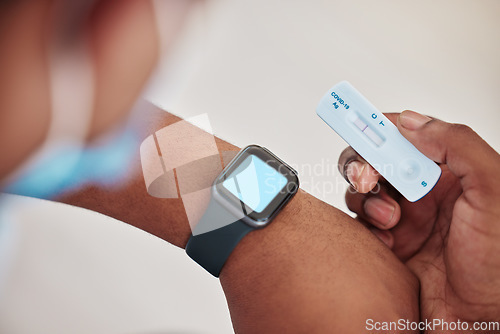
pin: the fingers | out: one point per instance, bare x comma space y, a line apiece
384, 235
357, 171
466, 154
125, 45
379, 210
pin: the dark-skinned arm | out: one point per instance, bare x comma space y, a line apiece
312, 270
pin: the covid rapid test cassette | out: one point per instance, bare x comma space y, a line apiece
378, 141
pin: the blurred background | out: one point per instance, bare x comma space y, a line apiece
259, 73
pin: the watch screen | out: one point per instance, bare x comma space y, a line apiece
255, 183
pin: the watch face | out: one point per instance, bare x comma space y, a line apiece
258, 183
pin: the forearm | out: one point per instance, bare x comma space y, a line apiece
315, 270
312, 269
130, 202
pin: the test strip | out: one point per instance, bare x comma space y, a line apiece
370, 134
360, 124
378, 141
373, 136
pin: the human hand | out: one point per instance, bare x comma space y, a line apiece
451, 238
288, 277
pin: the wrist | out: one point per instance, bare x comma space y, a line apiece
130, 201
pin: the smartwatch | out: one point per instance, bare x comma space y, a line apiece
247, 195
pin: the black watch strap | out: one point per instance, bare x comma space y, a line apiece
214, 238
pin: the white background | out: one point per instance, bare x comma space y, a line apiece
266, 64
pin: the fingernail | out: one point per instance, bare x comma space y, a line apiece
353, 172
412, 120
379, 210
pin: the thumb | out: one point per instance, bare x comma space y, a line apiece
465, 153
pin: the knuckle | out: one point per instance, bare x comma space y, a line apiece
347, 153
462, 130
345, 157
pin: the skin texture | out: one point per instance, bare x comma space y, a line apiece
450, 238
313, 269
